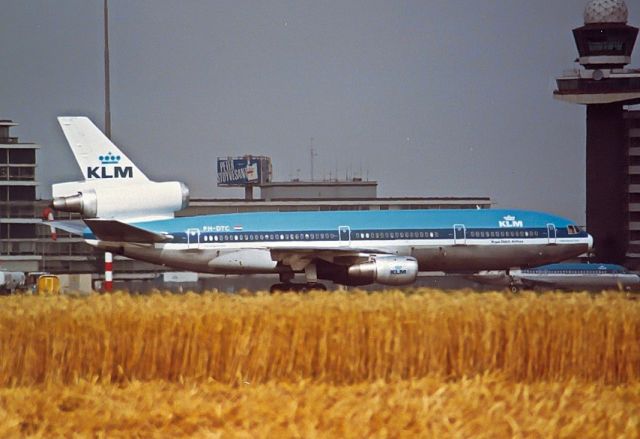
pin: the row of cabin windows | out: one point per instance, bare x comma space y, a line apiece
316, 236
395, 235
504, 234
376, 235
567, 271
270, 237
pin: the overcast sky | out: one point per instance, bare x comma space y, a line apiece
429, 98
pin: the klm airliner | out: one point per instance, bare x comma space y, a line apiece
126, 213
577, 277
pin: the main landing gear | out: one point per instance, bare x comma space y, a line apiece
311, 276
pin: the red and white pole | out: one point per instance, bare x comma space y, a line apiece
108, 272
47, 215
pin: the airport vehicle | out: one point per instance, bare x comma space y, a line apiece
11, 280
48, 284
125, 213
577, 276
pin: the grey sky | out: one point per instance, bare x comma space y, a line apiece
430, 98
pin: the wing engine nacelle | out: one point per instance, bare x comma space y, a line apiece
135, 200
386, 270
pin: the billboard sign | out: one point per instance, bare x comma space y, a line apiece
243, 171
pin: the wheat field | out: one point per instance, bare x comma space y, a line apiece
347, 364
484, 406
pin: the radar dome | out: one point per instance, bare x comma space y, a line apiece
606, 11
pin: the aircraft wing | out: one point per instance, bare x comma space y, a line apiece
298, 258
528, 282
113, 230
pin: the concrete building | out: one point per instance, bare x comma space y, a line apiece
318, 190
632, 131
204, 206
606, 87
18, 190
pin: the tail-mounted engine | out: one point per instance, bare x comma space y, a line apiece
145, 200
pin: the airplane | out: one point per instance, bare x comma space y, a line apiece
567, 276
125, 213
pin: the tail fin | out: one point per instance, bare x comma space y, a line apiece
96, 155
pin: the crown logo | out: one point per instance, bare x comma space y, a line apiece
509, 218
109, 159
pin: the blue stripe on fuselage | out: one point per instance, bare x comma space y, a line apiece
394, 220
328, 220
577, 267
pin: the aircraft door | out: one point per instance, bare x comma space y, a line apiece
551, 233
344, 232
459, 234
193, 238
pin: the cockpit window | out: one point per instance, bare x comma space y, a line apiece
573, 229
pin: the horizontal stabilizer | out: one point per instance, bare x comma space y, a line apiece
113, 230
75, 227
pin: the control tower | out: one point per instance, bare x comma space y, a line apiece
606, 86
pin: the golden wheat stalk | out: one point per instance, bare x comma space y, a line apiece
485, 406
330, 337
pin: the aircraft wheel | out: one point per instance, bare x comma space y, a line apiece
298, 288
514, 289
281, 288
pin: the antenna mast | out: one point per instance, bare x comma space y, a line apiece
107, 92
313, 154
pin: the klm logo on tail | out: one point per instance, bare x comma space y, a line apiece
109, 168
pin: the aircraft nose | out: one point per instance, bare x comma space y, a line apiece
590, 241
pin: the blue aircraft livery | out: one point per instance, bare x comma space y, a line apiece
134, 216
565, 276
348, 247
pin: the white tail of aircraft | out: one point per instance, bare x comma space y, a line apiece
96, 155
113, 186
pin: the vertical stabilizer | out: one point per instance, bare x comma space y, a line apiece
97, 156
